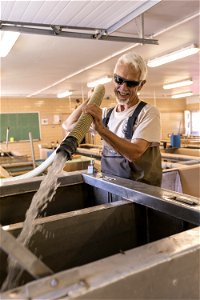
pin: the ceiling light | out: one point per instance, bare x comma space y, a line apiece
64, 94
192, 49
177, 84
6, 227
102, 80
186, 94
8, 39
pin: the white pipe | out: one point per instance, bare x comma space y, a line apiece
7, 136
32, 150
35, 172
32, 173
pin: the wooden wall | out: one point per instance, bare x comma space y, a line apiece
172, 115
54, 111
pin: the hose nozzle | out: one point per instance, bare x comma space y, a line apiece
68, 147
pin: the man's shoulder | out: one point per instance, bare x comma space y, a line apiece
151, 108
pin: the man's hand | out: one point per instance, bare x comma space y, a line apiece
96, 112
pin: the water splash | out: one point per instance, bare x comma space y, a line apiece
41, 198
39, 202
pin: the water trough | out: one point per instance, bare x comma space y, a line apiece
107, 238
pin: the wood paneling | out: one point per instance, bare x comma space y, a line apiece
172, 118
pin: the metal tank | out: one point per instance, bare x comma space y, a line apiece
108, 238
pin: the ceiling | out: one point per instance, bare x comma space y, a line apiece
44, 63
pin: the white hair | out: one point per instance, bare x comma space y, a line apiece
134, 59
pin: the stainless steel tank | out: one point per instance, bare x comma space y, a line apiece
109, 238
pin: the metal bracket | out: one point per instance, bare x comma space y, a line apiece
56, 29
100, 33
142, 26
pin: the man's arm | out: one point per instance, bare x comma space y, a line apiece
130, 150
71, 121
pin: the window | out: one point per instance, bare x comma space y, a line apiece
195, 127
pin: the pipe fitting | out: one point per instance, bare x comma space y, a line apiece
68, 147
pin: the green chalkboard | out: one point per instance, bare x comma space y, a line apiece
19, 124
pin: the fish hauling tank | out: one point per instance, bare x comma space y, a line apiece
99, 237
93, 236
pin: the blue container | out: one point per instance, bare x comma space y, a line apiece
175, 140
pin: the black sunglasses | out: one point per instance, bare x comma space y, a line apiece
130, 83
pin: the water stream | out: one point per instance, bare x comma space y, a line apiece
39, 202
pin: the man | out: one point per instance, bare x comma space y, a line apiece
131, 141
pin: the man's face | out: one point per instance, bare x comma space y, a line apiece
126, 84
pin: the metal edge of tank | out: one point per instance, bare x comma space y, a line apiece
179, 205
164, 269
32, 184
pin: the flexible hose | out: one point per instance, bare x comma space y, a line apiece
85, 120
41, 168
70, 143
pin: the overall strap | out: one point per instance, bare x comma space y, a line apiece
132, 119
107, 117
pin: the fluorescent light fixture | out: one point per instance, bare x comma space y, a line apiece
5, 227
177, 84
8, 39
102, 80
64, 94
186, 94
192, 49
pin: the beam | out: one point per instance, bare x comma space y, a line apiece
24, 257
58, 31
